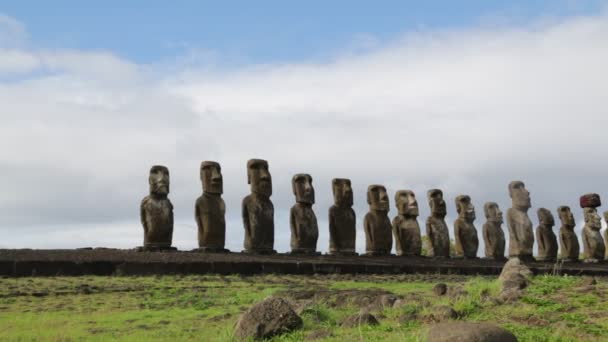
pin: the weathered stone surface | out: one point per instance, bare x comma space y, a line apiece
210, 209
362, 318
436, 228
469, 332
545, 237
377, 225
406, 230
493, 234
521, 236
594, 249
590, 201
342, 219
156, 211
606, 234
465, 234
440, 289
568, 242
443, 313
302, 219
258, 210
514, 279
268, 318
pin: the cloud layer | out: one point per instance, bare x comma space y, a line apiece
466, 111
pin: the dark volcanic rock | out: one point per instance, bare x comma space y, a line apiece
440, 289
469, 332
268, 318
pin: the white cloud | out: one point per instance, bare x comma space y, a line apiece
466, 111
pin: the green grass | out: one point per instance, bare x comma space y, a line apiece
205, 308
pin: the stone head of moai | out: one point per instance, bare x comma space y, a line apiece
159, 180
406, 203
492, 212
258, 176
566, 216
545, 217
343, 192
436, 202
520, 196
592, 219
302, 188
211, 177
465, 208
606, 217
377, 198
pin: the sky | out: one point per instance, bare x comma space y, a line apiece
463, 96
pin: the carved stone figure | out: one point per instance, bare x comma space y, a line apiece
545, 237
406, 230
376, 223
436, 228
593, 244
258, 210
493, 234
302, 219
465, 234
521, 236
342, 219
210, 210
568, 242
156, 212
606, 233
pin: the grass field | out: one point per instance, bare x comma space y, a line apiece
205, 308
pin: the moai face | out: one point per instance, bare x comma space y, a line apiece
592, 219
159, 180
492, 212
565, 215
436, 202
259, 177
519, 195
406, 203
343, 192
302, 188
211, 176
465, 208
545, 217
377, 198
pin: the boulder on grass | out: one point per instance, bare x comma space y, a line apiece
469, 332
362, 318
273, 316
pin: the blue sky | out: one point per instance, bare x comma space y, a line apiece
243, 32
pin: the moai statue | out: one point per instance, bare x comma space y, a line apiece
521, 236
493, 234
568, 242
342, 219
436, 228
405, 225
257, 210
210, 210
546, 239
376, 223
302, 219
593, 244
465, 234
156, 212
606, 233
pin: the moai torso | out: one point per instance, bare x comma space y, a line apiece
210, 217
569, 246
304, 228
406, 230
467, 242
342, 230
436, 228
378, 238
156, 211
593, 244
258, 219
494, 239
521, 235
547, 243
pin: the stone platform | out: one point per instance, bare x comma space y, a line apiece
104, 261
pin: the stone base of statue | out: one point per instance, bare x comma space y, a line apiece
378, 253
524, 258
495, 258
303, 251
211, 250
342, 253
155, 249
545, 259
261, 251
569, 260
439, 257
592, 261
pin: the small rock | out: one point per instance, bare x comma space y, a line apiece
399, 303
388, 301
442, 313
440, 289
455, 292
271, 317
362, 318
318, 335
465, 331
